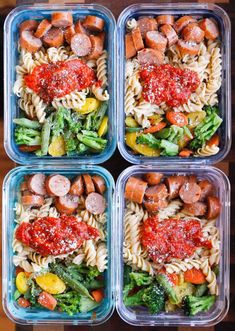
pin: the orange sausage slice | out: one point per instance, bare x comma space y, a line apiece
146, 24
135, 189
42, 29
169, 33
97, 45
54, 37
29, 42
69, 32
137, 39
93, 23
165, 19
192, 32
186, 47
210, 28
182, 22
130, 47
29, 25
156, 40
150, 56
81, 44
62, 19
79, 28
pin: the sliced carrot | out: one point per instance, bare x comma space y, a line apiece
18, 270
98, 295
178, 119
155, 128
194, 276
185, 152
47, 300
28, 274
174, 278
214, 141
22, 302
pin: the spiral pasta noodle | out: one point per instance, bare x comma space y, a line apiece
73, 100
207, 150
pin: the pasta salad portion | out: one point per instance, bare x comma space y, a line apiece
62, 85
171, 246
59, 244
173, 75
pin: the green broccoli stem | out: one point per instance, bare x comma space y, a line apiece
163, 280
90, 142
26, 123
94, 284
201, 290
99, 115
193, 305
45, 138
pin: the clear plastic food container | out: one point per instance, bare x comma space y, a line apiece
198, 11
11, 187
217, 313
11, 108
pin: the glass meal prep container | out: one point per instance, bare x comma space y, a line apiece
11, 57
198, 11
34, 315
139, 315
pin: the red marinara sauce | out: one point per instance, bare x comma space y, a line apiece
166, 83
172, 238
55, 80
54, 236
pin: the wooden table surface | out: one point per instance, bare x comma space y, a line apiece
115, 165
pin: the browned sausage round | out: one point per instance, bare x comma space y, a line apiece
24, 186
67, 204
77, 187
43, 27
135, 189
153, 207
195, 209
206, 189
165, 19
26, 192
153, 178
79, 28
69, 32
32, 200
192, 179
130, 47
155, 40
81, 44
36, 184
186, 47
169, 33
97, 46
29, 42
210, 28
54, 37
62, 19
190, 192
95, 203
146, 24
213, 207
137, 39
182, 22
156, 192
89, 185
99, 183
93, 23
192, 32
29, 25
150, 56
57, 185
174, 184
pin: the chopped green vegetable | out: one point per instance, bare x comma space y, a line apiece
192, 305
16, 295
133, 300
99, 115
169, 148
98, 144
46, 131
134, 129
87, 304
69, 302
165, 283
141, 278
201, 290
26, 136
149, 140
154, 298
71, 142
26, 123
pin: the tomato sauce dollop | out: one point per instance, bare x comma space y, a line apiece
54, 236
55, 80
172, 238
166, 83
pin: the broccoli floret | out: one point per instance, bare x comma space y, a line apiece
71, 142
135, 299
192, 305
26, 136
141, 278
154, 298
87, 304
148, 139
165, 283
69, 302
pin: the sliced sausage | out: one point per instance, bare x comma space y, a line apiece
95, 203
130, 47
81, 44
69, 32
182, 22
26, 148
24, 186
169, 33
165, 19
150, 56
77, 187
62, 19
213, 207
146, 24
195, 209
153, 178
156, 40
29, 42
153, 207
29, 25
32, 200
36, 184
174, 184
67, 204
210, 28
186, 47
54, 37
156, 192
97, 46
135, 189
89, 185
79, 28
192, 32
206, 189
26, 192
192, 179
99, 183
93, 23
42, 29
190, 192
57, 185
137, 39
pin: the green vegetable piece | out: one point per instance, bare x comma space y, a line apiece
69, 302
27, 123
81, 148
201, 290
94, 284
149, 140
164, 282
26, 136
88, 122
126, 274
90, 133
87, 304
92, 142
187, 132
215, 269
134, 129
133, 300
16, 295
46, 131
169, 148
193, 305
99, 115
141, 278
154, 298
164, 133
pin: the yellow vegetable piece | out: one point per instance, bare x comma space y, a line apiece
103, 127
183, 290
21, 282
195, 118
155, 119
131, 122
140, 148
89, 106
57, 146
51, 283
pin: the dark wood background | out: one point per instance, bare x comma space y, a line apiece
115, 165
